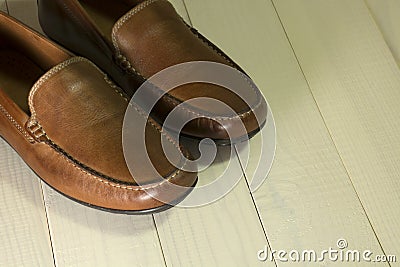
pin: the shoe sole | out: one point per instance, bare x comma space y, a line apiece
125, 212
226, 142
115, 211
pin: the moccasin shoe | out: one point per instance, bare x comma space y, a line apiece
133, 40
64, 117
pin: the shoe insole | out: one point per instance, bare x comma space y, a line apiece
105, 13
17, 76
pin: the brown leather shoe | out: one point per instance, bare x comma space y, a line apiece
64, 118
131, 40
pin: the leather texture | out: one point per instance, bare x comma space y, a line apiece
136, 40
72, 136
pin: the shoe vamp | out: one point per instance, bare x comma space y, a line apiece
83, 116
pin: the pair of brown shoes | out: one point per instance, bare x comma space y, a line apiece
64, 115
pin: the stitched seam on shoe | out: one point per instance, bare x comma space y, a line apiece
73, 60
231, 63
47, 76
139, 8
218, 118
55, 70
201, 38
60, 67
141, 112
125, 187
16, 125
101, 178
125, 18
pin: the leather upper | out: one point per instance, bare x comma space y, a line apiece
143, 47
150, 37
83, 115
72, 137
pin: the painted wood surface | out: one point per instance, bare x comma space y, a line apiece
355, 81
308, 198
24, 234
225, 233
387, 17
328, 71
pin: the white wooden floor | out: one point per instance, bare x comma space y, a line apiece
330, 71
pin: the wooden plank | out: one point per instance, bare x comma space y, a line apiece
355, 81
225, 233
181, 9
387, 16
85, 237
3, 6
308, 199
24, 235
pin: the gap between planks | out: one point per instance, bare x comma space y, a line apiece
308, 199
358, 99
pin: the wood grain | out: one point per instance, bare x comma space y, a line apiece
225, 233
24, 235
355, 81
307, 202
308, 199
387, 16
86, 237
